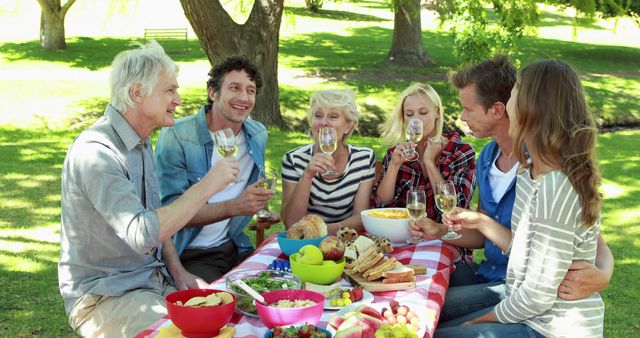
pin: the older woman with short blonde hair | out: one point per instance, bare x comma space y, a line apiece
337, 197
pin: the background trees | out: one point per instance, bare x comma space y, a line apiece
52, 23
257, 39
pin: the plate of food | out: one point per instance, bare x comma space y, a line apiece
385, 317
345, 296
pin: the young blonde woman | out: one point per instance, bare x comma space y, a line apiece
556, 216
441, 157
307, 188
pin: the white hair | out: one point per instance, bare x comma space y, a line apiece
140, 66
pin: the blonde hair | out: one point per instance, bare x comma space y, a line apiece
343, 99
392, 130
140, 66
554, 123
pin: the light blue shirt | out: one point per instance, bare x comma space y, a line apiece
109, 233
183, 157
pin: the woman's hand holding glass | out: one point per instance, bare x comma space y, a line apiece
413, 134
328, 143
225, 142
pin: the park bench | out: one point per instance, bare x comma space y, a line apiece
165, 33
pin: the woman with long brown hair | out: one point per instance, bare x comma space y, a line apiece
556, 216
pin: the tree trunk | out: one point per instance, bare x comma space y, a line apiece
407, 47
257, 40
52, 24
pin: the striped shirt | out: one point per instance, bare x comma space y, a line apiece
331, 199
547, 236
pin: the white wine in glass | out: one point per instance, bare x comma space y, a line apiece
328, 141
417, 208
413, 134
267, 179
227, 151
446, 201
225, 141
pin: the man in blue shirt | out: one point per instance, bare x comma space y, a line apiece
484, 90
213, 241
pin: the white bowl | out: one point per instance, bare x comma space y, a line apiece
396, 230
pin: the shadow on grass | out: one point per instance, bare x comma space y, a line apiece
94, 54
550, 19
31, 304
33, 161
333, 14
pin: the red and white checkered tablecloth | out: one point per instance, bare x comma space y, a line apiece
428, 296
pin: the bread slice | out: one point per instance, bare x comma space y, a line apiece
364, 257
399, 271
398, 280
368, 263
362, 244
376, 273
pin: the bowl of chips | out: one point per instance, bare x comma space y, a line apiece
200, 312
392, 223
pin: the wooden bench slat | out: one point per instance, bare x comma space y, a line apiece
165, 33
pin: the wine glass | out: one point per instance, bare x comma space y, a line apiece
267, 179
225, 141
328, 140
446, 201
413, 134
417, 208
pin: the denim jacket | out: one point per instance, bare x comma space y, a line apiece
494, 268
183, 157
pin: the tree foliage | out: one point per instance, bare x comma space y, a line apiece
477, 34
482, 28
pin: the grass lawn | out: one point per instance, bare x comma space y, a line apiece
47, 96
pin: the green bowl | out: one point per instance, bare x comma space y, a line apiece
317, 274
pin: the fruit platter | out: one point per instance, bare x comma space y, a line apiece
378, 320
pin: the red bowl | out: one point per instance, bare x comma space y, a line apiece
204, 321
273, 316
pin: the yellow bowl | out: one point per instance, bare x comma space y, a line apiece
324, 274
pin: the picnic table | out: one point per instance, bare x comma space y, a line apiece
431, 288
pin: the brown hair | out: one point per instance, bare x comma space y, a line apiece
493, 79
554, 122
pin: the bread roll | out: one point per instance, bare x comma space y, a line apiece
309, 226
318, 223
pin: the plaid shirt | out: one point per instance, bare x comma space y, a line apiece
457, 163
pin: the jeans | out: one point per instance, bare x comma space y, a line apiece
454, 329
463, 300
466, 294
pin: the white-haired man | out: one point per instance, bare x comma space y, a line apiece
111, 274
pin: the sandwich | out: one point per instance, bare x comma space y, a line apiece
366, 256
399, 274
377, 270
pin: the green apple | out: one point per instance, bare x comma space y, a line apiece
310, 254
